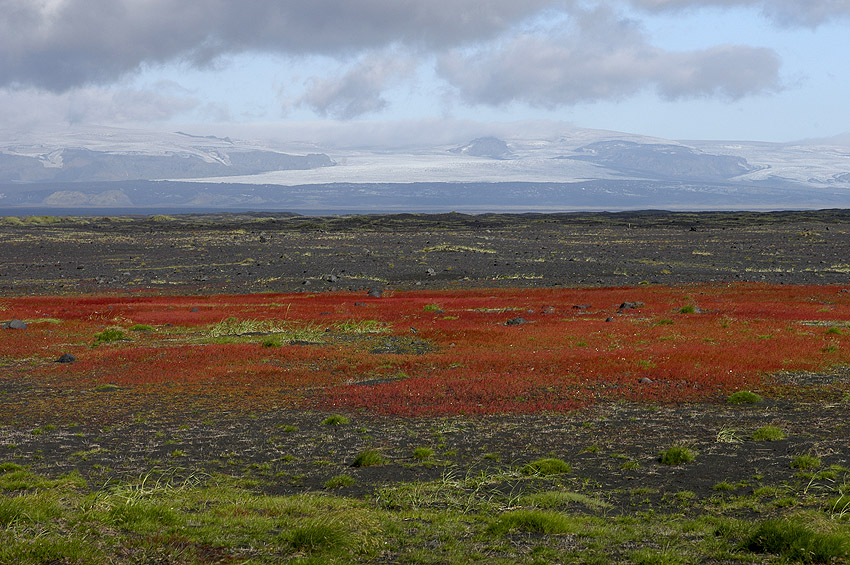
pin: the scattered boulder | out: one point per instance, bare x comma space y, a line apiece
646, 381
66, 358
375, 293
581, 306
549, 310
194, 310
609, 319
631, 305
331, 278
15, 325
516, 322
431, 272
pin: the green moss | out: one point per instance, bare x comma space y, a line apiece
744, 397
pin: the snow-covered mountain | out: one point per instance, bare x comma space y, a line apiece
111, 167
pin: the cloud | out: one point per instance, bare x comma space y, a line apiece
24, 108
359, 90
61, 44
787, 13
601, 57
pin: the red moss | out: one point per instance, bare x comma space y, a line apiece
562, 357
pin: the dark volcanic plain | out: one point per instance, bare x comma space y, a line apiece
246, 253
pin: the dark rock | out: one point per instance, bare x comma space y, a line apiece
376, 293
516, 322
66, 358
609, 319
581, 306
631, 305
15, 325
194, 310
360, 304
549, 310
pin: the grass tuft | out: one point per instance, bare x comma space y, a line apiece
744, 397
317, 535
548, 466
796, 542
336, 420
768, 433
340, 481
109, 335
533, 521
677, 455
423, 453
805, 462
368, 458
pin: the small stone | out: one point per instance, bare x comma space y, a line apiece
376, 293
516, 322
609, 319
431, 272
581, 306
331, 278
66, 358
16, 325
194, 310
631, 305
646, 381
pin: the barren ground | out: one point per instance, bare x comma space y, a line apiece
613, 447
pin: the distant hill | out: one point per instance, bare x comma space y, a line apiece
573, 169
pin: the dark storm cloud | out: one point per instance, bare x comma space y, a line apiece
790, 13
601, 57
60, 44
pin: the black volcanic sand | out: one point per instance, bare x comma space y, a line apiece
613, 447
284, 253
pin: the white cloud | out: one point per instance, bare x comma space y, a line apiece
23, 108
790, 13
601, 57
359, 90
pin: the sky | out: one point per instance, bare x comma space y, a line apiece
759, 70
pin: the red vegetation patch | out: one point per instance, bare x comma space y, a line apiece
445, 353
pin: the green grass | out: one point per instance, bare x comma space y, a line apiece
768, 433
109, 335
340, 481
559, 499
547, 466
744, 397
368, 458
141, 328
805, 462
535, 521
677, 455
423, 453
336, 420
479, 516
797, 542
